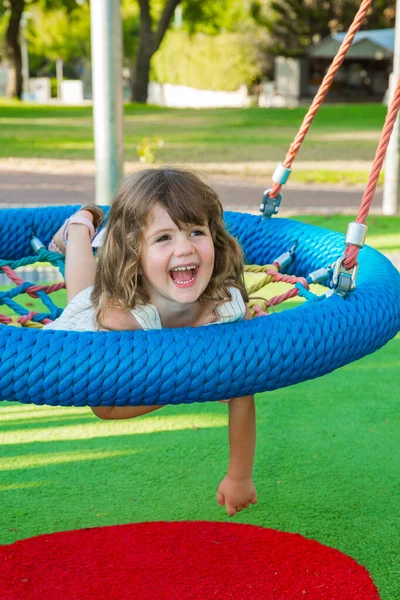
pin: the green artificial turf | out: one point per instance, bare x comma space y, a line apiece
326, 465
383, 231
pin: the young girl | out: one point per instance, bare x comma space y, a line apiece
165, 261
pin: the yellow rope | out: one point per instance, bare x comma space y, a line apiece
255, 280
30, 324
258, 268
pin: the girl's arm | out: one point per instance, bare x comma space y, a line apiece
237, 489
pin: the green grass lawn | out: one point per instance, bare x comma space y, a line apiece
339, 132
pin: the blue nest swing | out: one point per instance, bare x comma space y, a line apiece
212, 363
206, 363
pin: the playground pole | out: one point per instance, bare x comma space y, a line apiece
106, 34
391, 190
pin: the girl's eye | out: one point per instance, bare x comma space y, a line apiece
197, 232
163, 238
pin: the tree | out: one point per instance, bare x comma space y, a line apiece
60, 34
14, 10
150, 38
13, 47
296, 24
156, 17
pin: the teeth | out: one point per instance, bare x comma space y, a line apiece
184, 268
182, 282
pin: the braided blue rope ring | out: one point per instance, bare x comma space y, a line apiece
205, 363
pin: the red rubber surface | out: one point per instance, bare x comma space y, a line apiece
179, 560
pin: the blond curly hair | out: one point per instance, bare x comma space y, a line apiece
188, 200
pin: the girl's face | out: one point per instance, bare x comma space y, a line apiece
177, 264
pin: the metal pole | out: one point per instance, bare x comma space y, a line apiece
106, 33
391, 190
60, 76
24, 56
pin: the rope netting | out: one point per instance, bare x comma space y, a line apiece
260, 305
24, 317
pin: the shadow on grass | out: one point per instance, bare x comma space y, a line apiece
43, 422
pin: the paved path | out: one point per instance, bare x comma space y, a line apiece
22, 188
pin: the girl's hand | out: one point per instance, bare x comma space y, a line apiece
259, 312
236, 494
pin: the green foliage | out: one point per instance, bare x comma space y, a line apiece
222, 62
213, 17
3, 27
60, 34
131, 27
294, 25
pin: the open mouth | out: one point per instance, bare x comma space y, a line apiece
184, 276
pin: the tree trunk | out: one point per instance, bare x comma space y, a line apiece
142, 70
14, 86
149, 43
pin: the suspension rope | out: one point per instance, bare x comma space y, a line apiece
352, 250
323, 90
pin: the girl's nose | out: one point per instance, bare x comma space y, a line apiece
184, 246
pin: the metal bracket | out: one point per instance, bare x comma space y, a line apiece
281, 174
343, 280
320, 275
36, 244
270, 206
286, 258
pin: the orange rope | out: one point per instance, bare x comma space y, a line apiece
323, 90
351, 250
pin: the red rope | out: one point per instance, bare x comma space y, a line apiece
5, 320
278, 277
351, 250
33, 289
323, 90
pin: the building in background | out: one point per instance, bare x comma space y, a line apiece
364, 75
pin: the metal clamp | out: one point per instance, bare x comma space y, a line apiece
343, 280
270, 206
281, 174
286, 258
356, 234
36, 244
320, 275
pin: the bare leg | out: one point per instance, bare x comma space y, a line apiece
80, 264
111, 413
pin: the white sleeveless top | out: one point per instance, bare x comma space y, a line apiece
80, 314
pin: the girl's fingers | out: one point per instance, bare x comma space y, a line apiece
220, 498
